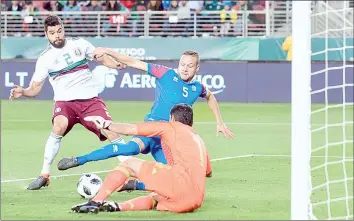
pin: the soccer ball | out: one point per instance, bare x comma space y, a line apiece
88, 185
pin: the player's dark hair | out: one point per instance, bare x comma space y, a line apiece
192, 53
183, 113
52, 20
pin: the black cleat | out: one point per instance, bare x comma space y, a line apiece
129, 186
67, 163
40, 182
89, 207
110, 207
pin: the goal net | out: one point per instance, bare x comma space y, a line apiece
322, 110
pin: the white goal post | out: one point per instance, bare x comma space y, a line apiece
300, 110
322, 100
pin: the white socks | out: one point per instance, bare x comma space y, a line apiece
120, 140
51, 150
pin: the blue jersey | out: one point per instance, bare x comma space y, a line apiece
171, 90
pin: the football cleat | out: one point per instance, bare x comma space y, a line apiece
67, 163
88, 207
41, 181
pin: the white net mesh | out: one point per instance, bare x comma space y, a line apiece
332, 111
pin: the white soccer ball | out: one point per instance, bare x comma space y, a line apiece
88, 185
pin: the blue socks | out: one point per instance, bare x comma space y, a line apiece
140, 186
110, 150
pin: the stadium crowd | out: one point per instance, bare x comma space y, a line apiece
227, 16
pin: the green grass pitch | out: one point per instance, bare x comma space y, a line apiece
251, 174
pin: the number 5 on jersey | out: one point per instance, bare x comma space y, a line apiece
185, 92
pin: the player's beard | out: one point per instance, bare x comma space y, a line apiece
58, 43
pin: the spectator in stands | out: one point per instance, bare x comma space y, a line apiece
31, 17
196, 6
155, 19
53, 5
135, 20
288, 46
166, 5
15, 7
227, 17
94, 5
90, 19
213, 5
72, 21
3, 7
171, 23
240, 6
113, 6
213, 18
128, 4
185, 17
155, 5
141, 3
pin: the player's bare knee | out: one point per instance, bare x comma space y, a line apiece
123, 169
60, 125
140, 143
133, 165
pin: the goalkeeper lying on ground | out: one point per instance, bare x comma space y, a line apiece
178, 186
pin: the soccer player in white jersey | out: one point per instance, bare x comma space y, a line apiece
65, 62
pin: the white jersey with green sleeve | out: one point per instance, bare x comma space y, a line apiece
68, 70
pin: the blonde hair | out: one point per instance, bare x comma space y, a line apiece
192, 53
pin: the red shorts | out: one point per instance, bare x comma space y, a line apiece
173, 185
77, 110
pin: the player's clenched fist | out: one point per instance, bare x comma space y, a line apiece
16, 92
99, 121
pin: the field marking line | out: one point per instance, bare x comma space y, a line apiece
216, 159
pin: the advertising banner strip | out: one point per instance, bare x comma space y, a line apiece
229, 81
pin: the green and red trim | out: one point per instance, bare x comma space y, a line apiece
77, 66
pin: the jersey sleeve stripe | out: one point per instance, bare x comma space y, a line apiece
157, 70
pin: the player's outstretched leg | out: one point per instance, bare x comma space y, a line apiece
61, 125
108, 151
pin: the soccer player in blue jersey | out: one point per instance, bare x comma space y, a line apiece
172, 87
